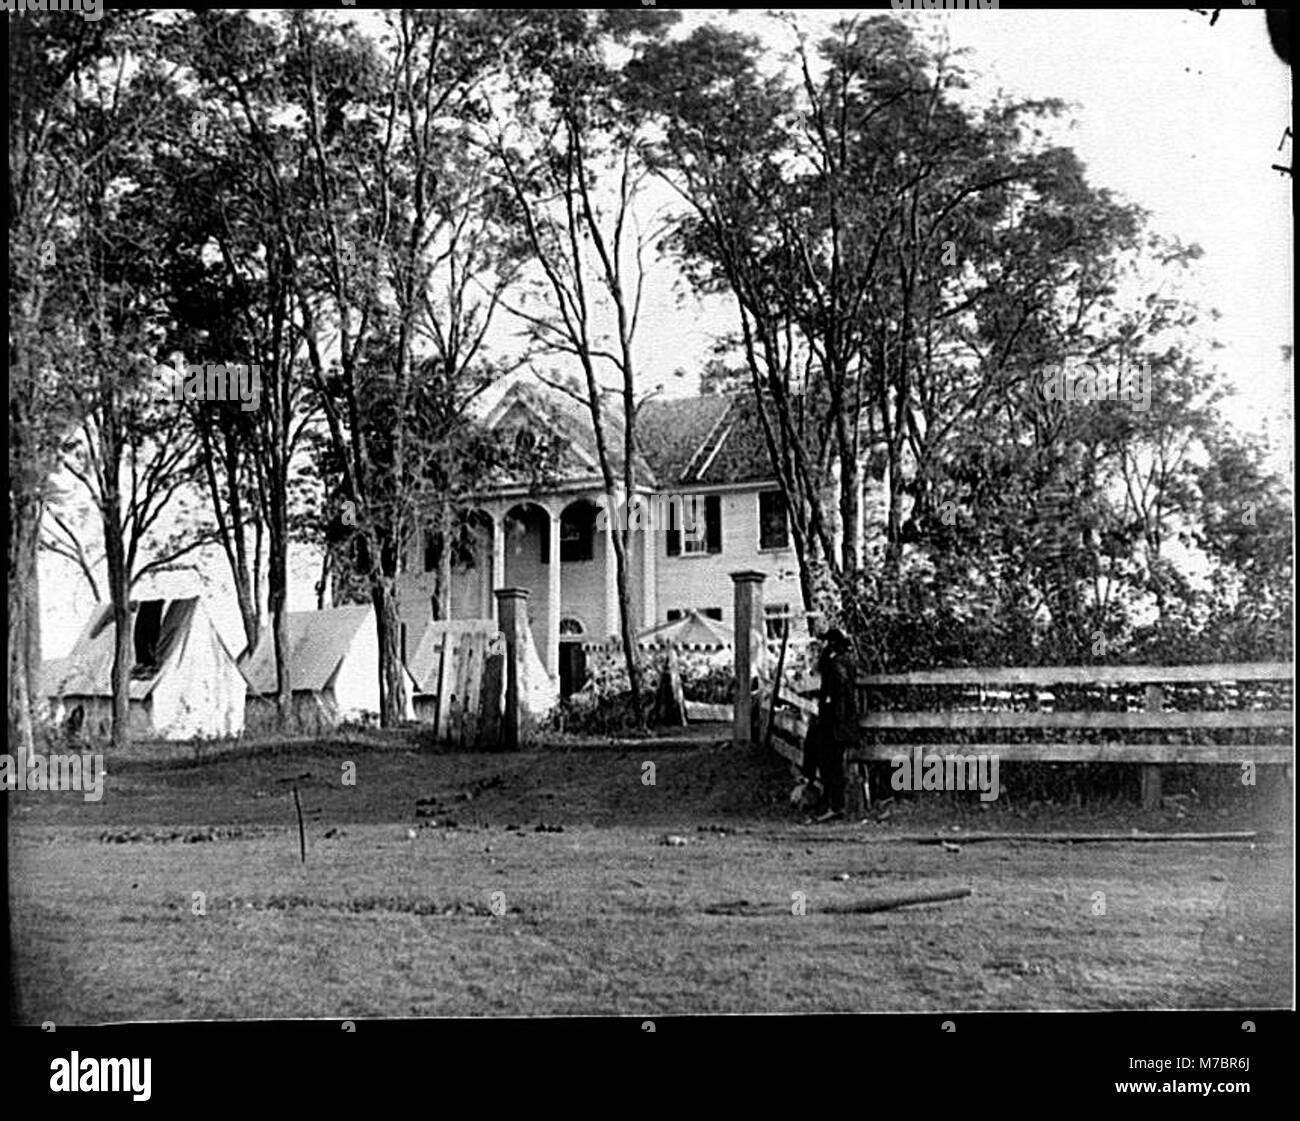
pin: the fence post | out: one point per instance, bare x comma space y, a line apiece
748, 610
510, 608
1151, 779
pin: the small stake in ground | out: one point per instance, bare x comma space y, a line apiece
302, 834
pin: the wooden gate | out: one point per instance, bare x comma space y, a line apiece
459, 671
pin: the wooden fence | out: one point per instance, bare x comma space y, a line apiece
459, 671
1101, 714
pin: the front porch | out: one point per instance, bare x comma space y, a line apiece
557, 546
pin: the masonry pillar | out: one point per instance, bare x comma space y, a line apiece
553, 599
748, 609
511, 604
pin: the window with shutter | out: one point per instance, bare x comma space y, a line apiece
713, 523
773, 528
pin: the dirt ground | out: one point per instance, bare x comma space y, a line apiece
562, 882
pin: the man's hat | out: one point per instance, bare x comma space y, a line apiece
836, 638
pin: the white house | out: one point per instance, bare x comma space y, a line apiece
702, 455
184, 682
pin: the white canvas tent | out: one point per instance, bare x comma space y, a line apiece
334, 670
712, 640
184, 682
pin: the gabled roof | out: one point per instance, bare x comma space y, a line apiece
734, 450
88, 670
318, 643
671, 433
710, 439
52, 673
542, 407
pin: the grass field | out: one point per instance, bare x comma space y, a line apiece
396, 910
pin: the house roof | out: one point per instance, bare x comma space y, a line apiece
318, 643
88, 670
526, 404
671, 433
707, 440
734, 450
52, 671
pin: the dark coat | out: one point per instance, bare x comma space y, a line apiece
837, 707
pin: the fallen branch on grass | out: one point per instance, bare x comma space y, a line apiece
869, 906
1066, 838
744, 908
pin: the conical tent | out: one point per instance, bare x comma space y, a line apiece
184, 683
698, 633
691, 631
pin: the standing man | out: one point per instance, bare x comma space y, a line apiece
837, 716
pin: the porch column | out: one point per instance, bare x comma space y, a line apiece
649, 555
497, 578
552, 655
611, 581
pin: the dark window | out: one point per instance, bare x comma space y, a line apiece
712, 613
674, 614
773, 528
525, 444
713, 524
148, 625
710, 508
577, 532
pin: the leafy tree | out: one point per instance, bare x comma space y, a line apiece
411, 249
565, 136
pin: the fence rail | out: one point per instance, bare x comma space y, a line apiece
1090, 675
795, 713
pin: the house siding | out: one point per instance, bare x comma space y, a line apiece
703, 581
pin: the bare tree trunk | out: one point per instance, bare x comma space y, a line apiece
894, 538
119, 594
392, 686
278, 601
24, 534
324, 592
851, 514
630, 651
243, 580
32, 625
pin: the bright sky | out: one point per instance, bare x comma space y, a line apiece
1180, 117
